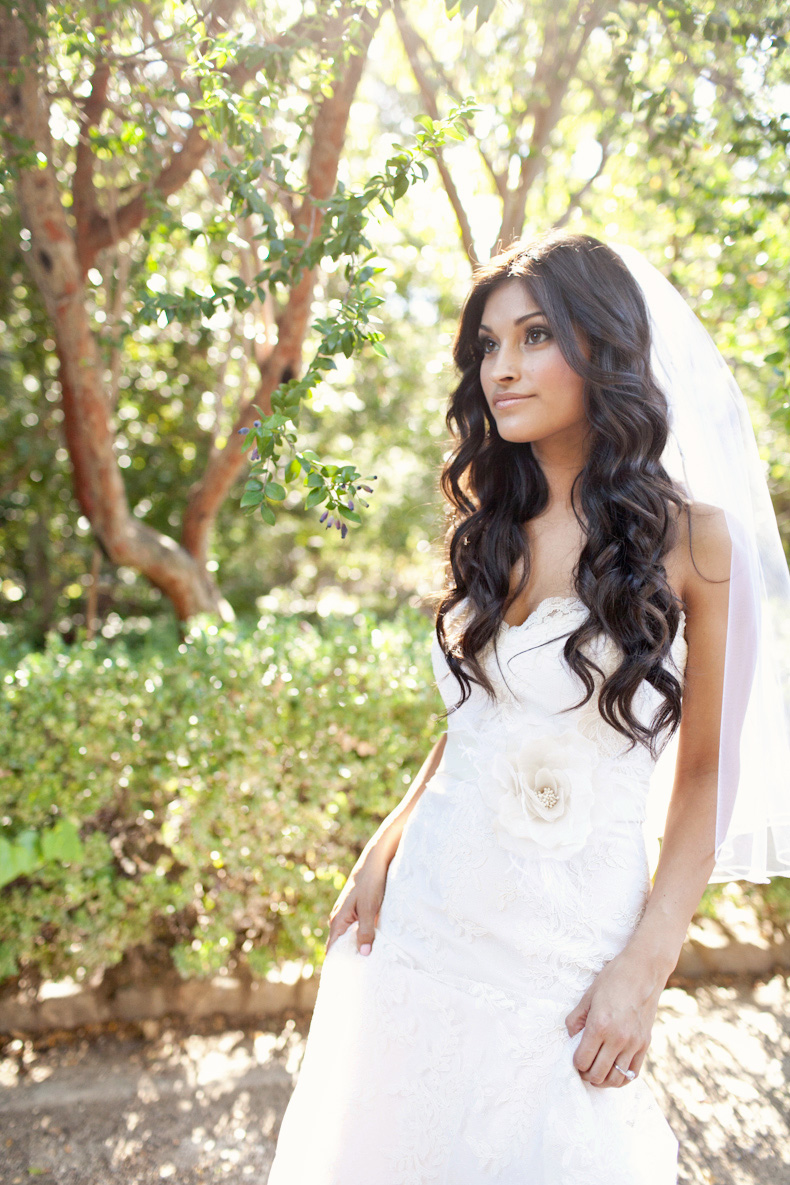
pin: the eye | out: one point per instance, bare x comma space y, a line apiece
486, 344
537, 329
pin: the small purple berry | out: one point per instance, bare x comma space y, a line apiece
343, 531
256, 423
323, 516
369, 490
255, 455
243, 431
364, 503
351, 504
331, 522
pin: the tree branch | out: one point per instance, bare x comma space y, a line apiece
575, 199
428, 91
101, 230
328, 137
555, 70
710, 73
499, 179
83, 189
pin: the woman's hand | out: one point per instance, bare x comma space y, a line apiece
361, 897
617, 1013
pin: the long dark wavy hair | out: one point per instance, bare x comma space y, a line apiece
495, 486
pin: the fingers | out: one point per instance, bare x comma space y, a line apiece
637, 1060
587, 1051
366, 930
365, 916
577, 1018
617, 1075
599, 1052
607, 1067
338, 924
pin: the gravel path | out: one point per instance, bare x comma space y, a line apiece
155, 1102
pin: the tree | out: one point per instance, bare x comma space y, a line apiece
613, 79
221, 79
653, 121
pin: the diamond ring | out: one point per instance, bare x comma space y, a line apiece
629, 1074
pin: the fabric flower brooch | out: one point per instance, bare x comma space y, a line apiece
542, 792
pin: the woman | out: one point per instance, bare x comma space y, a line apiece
496, 957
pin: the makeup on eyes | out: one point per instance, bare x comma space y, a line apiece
484, 339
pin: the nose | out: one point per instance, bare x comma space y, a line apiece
507, 364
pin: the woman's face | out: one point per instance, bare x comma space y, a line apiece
531, 390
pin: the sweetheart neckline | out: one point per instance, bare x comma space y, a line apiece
506, 626
546, 601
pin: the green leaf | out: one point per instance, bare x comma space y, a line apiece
251, 497
485, 9
400, 186
292, 469
267, 514
350, 514
274, 491
315, 479
19, 856
61, 843
7, 862
315, 497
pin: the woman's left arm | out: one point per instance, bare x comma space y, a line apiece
618, 1010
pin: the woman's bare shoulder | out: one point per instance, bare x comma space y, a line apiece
702, 551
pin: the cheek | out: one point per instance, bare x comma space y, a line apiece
566, 385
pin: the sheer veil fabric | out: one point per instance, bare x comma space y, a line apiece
712, 452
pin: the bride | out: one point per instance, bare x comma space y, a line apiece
496, 957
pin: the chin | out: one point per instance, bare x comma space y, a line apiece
513, 435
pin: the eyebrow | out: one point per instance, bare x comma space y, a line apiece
518, 320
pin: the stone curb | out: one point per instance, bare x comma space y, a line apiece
68, 1005
709, 953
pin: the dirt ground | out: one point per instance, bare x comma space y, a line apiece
155, 1102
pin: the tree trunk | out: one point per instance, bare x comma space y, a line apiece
56, 269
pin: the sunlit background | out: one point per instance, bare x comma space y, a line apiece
654, 135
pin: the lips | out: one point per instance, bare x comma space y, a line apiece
507, 400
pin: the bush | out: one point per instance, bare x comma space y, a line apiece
211, 795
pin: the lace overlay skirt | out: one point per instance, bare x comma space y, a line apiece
442, 1058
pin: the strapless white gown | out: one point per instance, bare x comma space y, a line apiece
442, 1058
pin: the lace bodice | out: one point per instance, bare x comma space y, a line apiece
535, 687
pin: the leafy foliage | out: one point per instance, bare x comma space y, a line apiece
155, 795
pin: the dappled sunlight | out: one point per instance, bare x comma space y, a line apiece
717, 1067
184, 1104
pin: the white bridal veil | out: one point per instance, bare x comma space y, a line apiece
713, 453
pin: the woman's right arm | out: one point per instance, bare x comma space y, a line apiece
361, 897
387, 836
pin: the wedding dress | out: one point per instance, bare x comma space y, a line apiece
443, 1057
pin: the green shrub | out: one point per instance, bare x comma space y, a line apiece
211, 795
